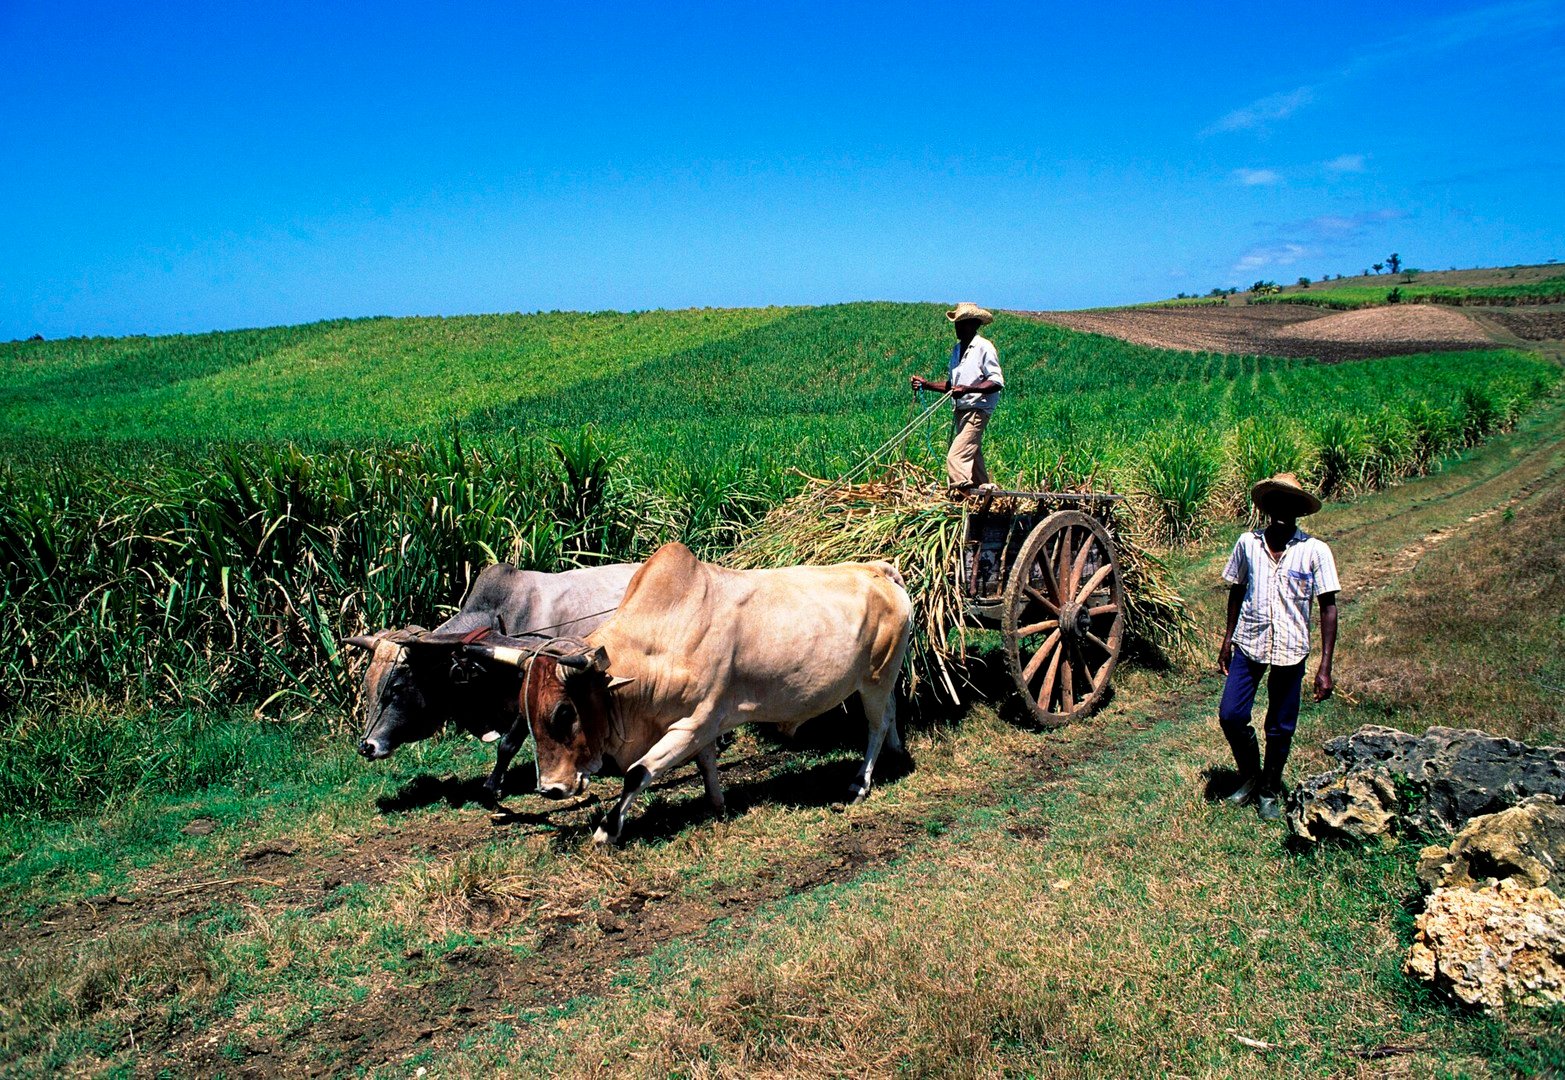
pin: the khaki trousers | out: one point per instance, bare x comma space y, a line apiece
965, 460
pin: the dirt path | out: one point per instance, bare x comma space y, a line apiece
1283, 329
581, 952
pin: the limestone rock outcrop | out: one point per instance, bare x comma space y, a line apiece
1524, 844
1340, 805
1492, 947
1431, 783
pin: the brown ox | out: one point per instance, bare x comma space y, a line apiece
696, 650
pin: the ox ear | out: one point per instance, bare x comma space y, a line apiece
367, 642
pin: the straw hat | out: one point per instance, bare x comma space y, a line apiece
1284, 488
969, 310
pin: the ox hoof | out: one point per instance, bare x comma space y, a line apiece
857, 794
601, 836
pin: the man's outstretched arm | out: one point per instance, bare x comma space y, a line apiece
943, 387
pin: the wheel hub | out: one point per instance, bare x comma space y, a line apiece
1074, 621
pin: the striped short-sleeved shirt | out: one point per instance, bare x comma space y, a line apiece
1274, 623
977, 363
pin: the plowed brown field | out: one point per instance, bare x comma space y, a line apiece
1282, 330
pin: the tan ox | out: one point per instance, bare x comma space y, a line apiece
696, 650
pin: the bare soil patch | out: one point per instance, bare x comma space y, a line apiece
1282, 329
1534, 324
1415, 323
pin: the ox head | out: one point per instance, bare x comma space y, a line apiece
407, 688
566, 700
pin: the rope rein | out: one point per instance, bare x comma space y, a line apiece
538, 631
890, 444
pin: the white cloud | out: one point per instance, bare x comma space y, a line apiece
1345, 163
1256, 177
1264, 256
1323, 236
1520, 21
1259, 113
1341, 226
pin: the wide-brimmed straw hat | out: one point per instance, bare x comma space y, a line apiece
1283, 492
969, 310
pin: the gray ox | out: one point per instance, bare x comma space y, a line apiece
419, 680
696, 650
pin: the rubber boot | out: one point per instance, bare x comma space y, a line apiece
1268, 802
1247, 756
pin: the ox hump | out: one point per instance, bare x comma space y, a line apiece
889, 571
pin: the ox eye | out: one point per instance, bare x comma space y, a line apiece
563, 716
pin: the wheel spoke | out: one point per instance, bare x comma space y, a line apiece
1081, 563
1046, 693
1062, 566
1067, 698
1102, 609
1037, 661
1099, 642
1044, 600
1100, 678
1037, 628
1093, 582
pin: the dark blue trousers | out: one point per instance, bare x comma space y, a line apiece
1282, 695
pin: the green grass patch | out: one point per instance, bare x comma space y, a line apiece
1350, 297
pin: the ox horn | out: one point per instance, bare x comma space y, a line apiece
367, 642
591, 659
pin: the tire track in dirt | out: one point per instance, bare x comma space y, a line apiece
1380, 554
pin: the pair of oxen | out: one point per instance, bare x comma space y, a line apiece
676, 652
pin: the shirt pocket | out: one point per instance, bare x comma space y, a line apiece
1297, 585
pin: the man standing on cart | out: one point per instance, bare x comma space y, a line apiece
975, 381
1274, 574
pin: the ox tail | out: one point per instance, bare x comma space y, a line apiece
892, 638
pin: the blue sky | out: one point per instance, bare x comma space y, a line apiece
207, 166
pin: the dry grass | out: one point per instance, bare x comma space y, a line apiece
104, 993
1475, 637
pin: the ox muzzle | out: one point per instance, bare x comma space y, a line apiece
554, 790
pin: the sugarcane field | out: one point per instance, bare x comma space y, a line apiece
698, 543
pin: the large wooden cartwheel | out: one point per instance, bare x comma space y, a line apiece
1064, 617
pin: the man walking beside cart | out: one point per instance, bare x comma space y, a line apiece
975, 381
1274, 574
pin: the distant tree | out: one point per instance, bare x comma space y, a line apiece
1304, 283
1264, 288
1409, 273
1379, 267
1365, 272
1394, 261
1217, 292
1181, 296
